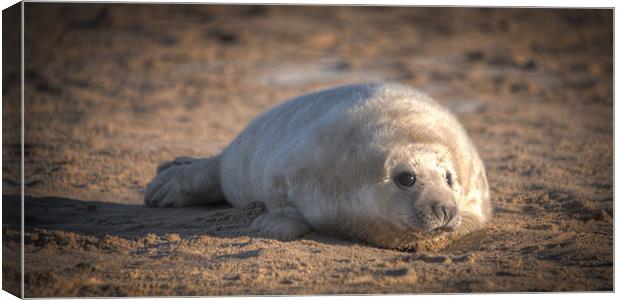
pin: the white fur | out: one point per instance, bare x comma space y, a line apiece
325, 161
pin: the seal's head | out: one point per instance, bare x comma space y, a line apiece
396, 169
420, 183
418, 193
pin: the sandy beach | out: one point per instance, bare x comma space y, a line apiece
112, 90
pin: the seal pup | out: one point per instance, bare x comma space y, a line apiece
380, 163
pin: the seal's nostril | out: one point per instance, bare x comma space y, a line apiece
444, 213
451, 215
440, 211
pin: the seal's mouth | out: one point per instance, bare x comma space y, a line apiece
431, 227
449, 227
442, 229
420, 233
433, 241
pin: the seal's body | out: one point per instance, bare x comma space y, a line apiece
380, 163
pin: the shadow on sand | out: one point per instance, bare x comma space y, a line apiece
136, 221
123, 220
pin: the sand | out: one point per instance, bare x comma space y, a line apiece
111, 90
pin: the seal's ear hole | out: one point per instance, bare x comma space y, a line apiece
449, 180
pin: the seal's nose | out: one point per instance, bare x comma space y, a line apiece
445, 212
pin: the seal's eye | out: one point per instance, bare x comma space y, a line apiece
449, 178
405, 179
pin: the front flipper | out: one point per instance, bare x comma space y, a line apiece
281, 225
185, 181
